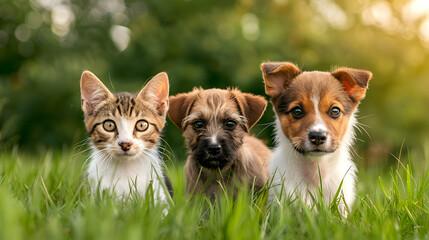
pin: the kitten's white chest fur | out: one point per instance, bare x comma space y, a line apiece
125, 129
127, 175
296, 175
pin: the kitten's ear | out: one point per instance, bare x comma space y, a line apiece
251, 106
354, 81
277, 75
180, 105
93, 92
156, 91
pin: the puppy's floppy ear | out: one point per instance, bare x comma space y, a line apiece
180, 105
156, 91
251, 106
277, 75
93, 92
354, 81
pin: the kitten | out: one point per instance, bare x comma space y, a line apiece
124, 130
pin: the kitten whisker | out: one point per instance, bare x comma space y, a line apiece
170, 152
80, 145
77, 154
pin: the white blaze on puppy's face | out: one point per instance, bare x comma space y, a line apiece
318, 126
213, 139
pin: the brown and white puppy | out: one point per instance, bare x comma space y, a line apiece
315, 114
215, 124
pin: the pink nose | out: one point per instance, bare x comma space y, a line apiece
317, 137
125, 146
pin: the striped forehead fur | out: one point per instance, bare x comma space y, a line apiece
124, 105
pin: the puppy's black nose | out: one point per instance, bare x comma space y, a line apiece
125, 146
317, 137
214, 148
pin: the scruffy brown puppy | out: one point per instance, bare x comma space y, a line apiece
216, 124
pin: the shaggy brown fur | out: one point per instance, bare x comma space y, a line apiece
215, 124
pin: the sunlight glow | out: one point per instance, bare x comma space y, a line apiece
120, 36
250, 26
380, 14
334, 15
424, 30
22, 33
62, 18
114, 7
34, 20
415, 10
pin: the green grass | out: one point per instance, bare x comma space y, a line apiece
46, 197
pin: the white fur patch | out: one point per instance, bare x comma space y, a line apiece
319, 124
213, 139
125, 130
295, 175
124, 176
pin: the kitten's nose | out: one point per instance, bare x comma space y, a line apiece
317, 137
125, 146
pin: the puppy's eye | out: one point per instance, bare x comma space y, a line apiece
198, 124
297, 112
230, 124
142, 125
109, 125
334, 112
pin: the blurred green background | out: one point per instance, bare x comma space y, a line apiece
45, 45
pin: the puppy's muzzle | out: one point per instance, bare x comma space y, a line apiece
214, 149
318, 137
213, 153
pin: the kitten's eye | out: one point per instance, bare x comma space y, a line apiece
297, 112
230, 124
198, 124
109, 125
142, 126
334, 112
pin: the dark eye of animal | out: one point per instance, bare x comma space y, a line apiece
198, 124
230, 125
109, 125
334, 112
142, 125
297, 112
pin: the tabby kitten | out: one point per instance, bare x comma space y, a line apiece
124, 130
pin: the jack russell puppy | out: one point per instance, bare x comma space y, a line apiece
215, 124
315, 119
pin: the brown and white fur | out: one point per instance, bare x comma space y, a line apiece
215, 124
125, 130
315, 119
